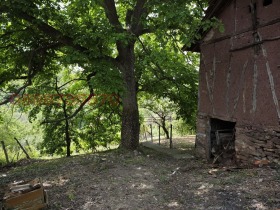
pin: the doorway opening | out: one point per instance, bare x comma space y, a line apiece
222, 141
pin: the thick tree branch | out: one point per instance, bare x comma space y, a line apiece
145, 31
31, 70
53, 33
138, 12
112, 15
31, 74
45, 28
128, 18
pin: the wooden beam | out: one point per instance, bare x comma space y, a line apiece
27, 156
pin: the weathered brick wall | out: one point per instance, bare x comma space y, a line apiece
240, 80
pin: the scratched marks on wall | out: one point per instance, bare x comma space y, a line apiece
271, 82
241, 84
255, 85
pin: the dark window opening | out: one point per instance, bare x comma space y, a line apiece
222, 141
267, 2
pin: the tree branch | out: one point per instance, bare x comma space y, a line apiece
145, 31
156, 65
47, 29
112, 15
72, 80
72, 115
29, 77
15, 94
31, 71
138, 11
57, 91
81, 105
200, 5
54, 33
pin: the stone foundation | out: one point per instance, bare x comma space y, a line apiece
256, 143
251, 142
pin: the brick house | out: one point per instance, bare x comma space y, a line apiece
239, 83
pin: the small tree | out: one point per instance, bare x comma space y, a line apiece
160, 110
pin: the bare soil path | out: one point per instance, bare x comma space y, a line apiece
149, 180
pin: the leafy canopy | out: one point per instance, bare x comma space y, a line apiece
38, 38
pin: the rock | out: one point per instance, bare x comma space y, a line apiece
136, 153
269, 150
276, 140
260, 163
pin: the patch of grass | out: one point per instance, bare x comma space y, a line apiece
163, 178
135, 160
228, 178
71, 195
36, 169
233, 180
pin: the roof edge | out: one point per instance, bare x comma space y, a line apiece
214, 9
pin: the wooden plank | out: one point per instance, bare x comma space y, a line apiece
26, 200
31, 200
27, 156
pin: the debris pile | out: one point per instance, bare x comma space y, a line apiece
25, 195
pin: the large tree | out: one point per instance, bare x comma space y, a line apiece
100, 37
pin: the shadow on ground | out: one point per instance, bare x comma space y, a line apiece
149, 179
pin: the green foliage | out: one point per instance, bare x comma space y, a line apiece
181, 128
164, 112
164, 72
54, 133
157, 108
88, 46
97, 124
15, 124
99, 128
88, 130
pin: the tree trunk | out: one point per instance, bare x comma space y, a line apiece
67, 139
5, 152
165, 129
67, 133
130, 114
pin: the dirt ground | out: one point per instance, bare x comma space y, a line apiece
149, 180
